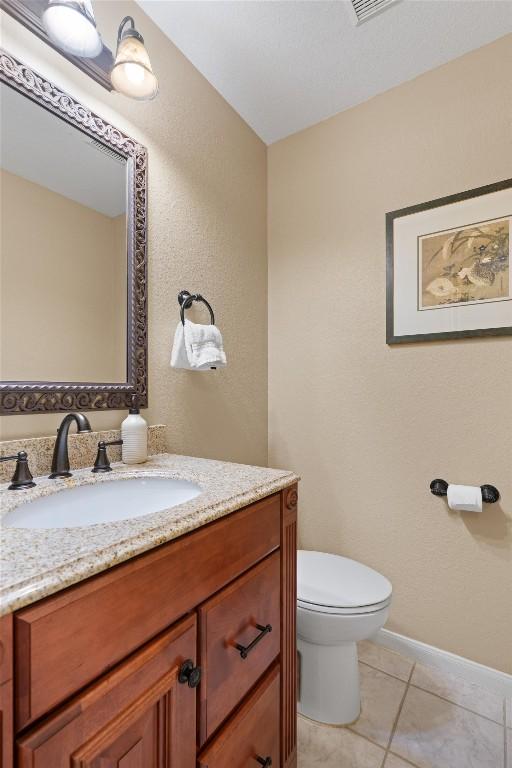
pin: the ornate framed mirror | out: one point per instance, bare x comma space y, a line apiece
73, 291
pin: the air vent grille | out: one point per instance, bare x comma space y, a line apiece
365, 9
107, 151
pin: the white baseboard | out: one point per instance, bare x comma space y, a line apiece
486, 677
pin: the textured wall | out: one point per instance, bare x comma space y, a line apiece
369, 426
207, 233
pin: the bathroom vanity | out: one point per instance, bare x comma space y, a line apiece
163, 640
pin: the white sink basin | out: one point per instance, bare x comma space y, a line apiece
105, 502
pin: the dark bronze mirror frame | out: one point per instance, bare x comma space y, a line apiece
30, 397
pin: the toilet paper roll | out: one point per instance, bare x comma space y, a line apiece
467, 498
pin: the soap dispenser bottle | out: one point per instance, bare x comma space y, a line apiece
134, 433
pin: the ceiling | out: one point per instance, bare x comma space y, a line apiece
284, 66
61, 158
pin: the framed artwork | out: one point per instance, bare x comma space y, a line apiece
448, 267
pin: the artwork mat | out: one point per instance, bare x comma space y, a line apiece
473, 225
404, 322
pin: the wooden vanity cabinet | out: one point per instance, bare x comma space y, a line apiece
85, 630
102, 674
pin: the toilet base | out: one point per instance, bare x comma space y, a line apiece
329, 682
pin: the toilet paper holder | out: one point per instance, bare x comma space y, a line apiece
490, 494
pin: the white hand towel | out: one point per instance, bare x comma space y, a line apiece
179, 357
197, 347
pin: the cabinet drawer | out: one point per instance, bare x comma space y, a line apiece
251, 734
232, 620
66, 641
140, 714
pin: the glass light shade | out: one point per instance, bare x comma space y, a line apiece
71, 26
132, 74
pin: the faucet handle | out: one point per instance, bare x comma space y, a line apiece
22, 477
102, 463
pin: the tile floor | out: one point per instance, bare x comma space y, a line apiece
412, 716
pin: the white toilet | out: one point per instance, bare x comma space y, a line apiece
339, 602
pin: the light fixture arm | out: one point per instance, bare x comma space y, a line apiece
131, 32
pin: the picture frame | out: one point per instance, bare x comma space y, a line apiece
448, 267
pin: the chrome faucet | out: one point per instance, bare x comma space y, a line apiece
60, 461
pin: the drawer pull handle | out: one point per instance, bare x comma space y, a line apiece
246, 649
266, 762
189, 674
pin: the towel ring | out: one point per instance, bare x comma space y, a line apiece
185, 299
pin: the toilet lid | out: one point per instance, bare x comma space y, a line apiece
337, 582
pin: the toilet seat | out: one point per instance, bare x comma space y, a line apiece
339, 611
337, 585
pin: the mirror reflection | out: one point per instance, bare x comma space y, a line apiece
63, 250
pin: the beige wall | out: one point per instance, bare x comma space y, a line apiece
369, 426
207, 233
63, 275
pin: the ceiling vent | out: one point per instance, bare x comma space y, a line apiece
106, 150
365, 9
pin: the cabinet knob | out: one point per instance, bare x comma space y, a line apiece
189, 674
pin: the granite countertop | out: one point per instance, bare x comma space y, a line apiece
36, 563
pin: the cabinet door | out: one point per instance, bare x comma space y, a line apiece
137, 716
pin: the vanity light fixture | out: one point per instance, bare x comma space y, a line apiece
132, 74
71, 25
